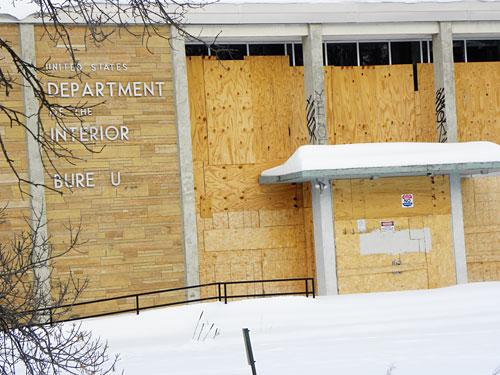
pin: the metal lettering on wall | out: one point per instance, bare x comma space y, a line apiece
441, 116
315, 115
98, 133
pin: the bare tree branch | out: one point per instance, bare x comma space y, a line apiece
26, 342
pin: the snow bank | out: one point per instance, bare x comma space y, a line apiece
453, 330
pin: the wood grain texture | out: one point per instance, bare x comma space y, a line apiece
228, 95
380, 200
478, 101
250, 238
481, 203
236, 188
270, 77
197, 108
371, 104
298, 124
364, 104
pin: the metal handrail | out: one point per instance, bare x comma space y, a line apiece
222, 295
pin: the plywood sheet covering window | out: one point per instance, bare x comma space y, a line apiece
251, 117
371, 104
228, 95
131, 231
298, 128
477, 96
13, 137
425, 257
271, 103
254, 117
481, 203
197, 109
478, 101
426, 131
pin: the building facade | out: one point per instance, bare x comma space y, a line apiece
171, 195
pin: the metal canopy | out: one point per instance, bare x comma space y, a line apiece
486, 162
402, 171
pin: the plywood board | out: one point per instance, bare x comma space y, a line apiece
382, 197
478, 101
481, 201
372, 104
270, 76
250, 238
297, 98
236, 188
383, 282
228, 96
270, 218
426, 132
440, 261
197, 108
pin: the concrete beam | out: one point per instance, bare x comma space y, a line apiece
324, 238
314, 81
38, 219
184, 147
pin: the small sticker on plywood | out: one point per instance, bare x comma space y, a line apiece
387, 226
406, 200
361, 225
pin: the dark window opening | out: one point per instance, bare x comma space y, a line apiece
342, 54
266, 49
376, 53
289, 53
405, 52
229, 51
458, 51
483, 50
299, 58
196, 50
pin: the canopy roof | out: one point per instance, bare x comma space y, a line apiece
373, 160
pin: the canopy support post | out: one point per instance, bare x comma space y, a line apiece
457, 229
324, 238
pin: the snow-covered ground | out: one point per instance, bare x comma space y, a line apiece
454, 330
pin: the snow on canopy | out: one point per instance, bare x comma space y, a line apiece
375, 155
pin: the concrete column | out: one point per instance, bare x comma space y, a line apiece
314, 80
457, 228
322, 201
38, 219
324, 238
444, 84
446, 122
184, 147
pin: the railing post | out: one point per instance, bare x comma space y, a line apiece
137, 303
307, 288
50, 314
225, 293
218, 286
314, 288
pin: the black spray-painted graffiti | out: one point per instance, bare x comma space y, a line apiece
441, 116
316, 125
311, 120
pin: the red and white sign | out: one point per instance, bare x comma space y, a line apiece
406, 200
387, 226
